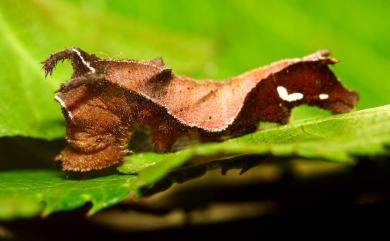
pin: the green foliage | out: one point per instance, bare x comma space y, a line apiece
28, 193
335, 138
219, 39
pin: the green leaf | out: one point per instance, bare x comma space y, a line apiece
336, 138
32, 192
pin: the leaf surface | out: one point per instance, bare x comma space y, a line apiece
32, 192
338, 138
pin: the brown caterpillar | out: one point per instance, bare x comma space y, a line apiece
106, 98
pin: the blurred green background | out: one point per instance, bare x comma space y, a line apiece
202, 39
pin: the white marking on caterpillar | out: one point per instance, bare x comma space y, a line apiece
323, 96
283, 94
63, 105
87, 64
